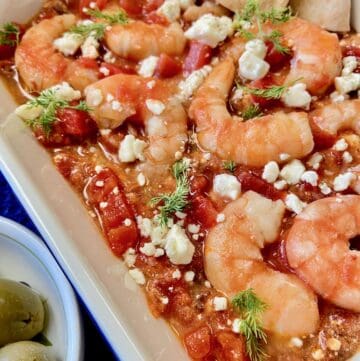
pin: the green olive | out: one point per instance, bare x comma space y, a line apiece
25, 351
21, 312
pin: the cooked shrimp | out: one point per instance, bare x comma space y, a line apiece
317, 56
254, 142
138, 40
335, 117
40, 66
122, 96
195, 12
318, 249
233, 263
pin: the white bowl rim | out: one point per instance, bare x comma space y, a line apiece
31, 242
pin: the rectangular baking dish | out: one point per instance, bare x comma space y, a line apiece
115, 301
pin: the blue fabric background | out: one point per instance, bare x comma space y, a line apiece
10, 207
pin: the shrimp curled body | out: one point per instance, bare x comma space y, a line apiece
138, 40
40, 66
233, 262
166, 131
318, 249
254, 142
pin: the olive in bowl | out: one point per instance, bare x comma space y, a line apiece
25, 351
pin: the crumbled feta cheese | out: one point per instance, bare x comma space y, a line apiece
341, 145
318, 354
227, 185
297, 96
141, 179
164, 300
180, 215
105, 132
148, 66
109, 57
155, 106
98, 169
151, 84
220, 303
294, 204
348, 83
281, 184
137, 276
103, 205
333, 344
130, 257
236, 325
343, 181
350, 64
131, 149
238, 94
292, 172
310, 177
284, 157
159, 252
220, 217
257, 47
90, 48
207, 284
210, 29
69, 43
94, 96
336, 97
296, 342
105, 71
116, 105
170, 9
189, 276
178, 247
193, 228
347, 157
127, 222
252, 67
64, 91
176, 274
27, 112
189, 86
271, 172
315, 160
115, 190
324, 188
148, 249
99, 183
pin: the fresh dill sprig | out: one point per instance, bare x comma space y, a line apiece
275, 38
251, 8
229, 165
250, 307
277, 16
252, 111
119, 17
178, 200
9, 34
50, 104
272, 92
97, 30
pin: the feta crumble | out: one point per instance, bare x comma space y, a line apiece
131, 149
69, 43
252, 67
220, 218
94, 97
297, 96
257, 47
292, 172
343, 181
155, 106
170, 9
271, 172
227, 185
148, 66
90, 48
220, 303
310, 177
341, 145
324, 188
189, 276
137, 276
294, 204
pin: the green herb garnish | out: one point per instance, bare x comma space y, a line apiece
50, 104
229, 165
277, 16
250, 307
9, 34
275, 38
252, 111
119, 17
178, 200
97, 30
273, 92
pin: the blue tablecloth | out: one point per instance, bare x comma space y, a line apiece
10, 207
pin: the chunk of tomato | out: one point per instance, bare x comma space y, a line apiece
155, 18
121, 238
167, 67
263, 83
276, 59
232, 347
198, 342
132, 7
6, 51
203, 211
100, 4
152, 5
199, 55
76, 122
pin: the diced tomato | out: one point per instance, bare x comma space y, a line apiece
121, 238
352, 51
6, 51
276, 59
100, 4
203, 211
263, 83
167, 67
199, 183
198, 342
155, 18
115, 69
252, 182
88, 63
132, 7
199, 55
231, 347
97, 194
152, 5
76, 122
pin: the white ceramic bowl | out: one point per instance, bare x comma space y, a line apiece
24, 257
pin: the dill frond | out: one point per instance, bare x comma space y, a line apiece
9, 34
275, 38
97, 30
252, 111
120, 17
273, 92
230, 165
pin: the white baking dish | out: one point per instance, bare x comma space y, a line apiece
116, 303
